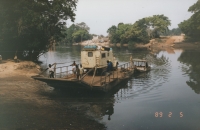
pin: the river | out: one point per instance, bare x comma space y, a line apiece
167, 97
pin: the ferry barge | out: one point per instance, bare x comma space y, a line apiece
94, 62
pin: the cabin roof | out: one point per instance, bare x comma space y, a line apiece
95, 51
95, 48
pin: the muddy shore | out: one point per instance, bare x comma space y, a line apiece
28, 104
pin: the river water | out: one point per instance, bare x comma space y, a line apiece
167, 97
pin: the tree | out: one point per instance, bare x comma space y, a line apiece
76, 33
191, 27
28, 26
114, 38
174, 31
83, 26
157, 25
141, 31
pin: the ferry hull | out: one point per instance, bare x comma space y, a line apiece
78, 84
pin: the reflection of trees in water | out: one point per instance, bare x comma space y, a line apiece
76, 50
72, 50
192, 68
94, 104
104, 105
160, 62
123, 53
102, 108
194, 85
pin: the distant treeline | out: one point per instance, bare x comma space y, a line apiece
173, 32
141, 31
76, 33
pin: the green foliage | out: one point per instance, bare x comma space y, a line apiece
114, 38
191, 27
80, 35
76, 33
192, 58
157, 25
27, 27
141, 31
173, 32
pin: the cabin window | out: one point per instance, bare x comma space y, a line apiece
90, 54
103, 55
108, 54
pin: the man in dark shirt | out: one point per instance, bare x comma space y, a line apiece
77, 72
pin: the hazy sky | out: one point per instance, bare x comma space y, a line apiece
99, 15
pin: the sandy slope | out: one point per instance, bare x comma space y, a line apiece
10, 68
25, 103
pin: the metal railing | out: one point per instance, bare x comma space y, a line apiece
106, 77
61, 72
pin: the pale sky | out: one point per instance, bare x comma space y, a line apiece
99, 15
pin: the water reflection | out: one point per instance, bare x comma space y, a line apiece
101, 109
143, 83
191, 67
135, 86
163, 89
61, 55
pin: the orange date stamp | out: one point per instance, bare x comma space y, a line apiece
169, 114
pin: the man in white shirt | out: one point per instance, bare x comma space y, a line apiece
51, 71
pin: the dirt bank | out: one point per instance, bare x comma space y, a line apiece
26, 103
168, 44
9, 68
162, 43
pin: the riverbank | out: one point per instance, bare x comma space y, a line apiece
168, 44
27, 104
176, 42
162, 43
8, 68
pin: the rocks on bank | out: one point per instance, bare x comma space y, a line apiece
96, 40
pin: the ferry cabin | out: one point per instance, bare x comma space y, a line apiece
92, 56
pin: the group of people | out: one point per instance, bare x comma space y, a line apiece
77, 72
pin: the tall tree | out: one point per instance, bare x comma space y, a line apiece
83, 26
191, 27
76, 33
28, 26
114, 38
157, 24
